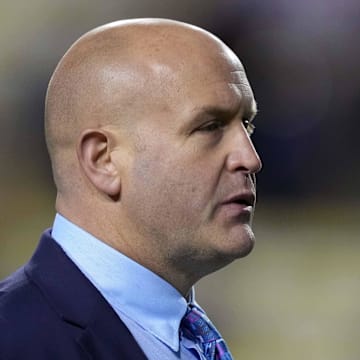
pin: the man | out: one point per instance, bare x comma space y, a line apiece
148, 126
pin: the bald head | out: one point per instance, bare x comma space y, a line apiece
116, 74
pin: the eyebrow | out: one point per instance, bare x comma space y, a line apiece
208, 112
217, 110
249, 112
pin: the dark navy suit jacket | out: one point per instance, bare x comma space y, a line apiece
49, 310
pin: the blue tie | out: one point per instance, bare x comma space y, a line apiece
197, 327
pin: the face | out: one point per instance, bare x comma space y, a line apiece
190, 190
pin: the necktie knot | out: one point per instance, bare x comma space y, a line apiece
197, 327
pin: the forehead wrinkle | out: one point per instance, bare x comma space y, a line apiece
229, 98
247, 103
241, 83
223, 102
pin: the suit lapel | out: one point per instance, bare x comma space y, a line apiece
96, 327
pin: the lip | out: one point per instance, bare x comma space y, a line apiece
245, 199
239, 205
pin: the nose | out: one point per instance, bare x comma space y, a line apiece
242, 155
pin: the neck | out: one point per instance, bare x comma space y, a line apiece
128, 243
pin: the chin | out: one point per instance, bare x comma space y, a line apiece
247, 248
240, 245
226, 255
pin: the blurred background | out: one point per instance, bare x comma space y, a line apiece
296, 296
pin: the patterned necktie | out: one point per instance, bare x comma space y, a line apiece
197, 327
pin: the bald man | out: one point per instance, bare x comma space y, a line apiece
148, 125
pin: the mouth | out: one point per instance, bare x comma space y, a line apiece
245, 199
237, 208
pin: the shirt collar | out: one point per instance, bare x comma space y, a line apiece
130, 288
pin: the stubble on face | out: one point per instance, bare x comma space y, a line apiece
180, 178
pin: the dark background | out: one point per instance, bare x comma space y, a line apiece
296, 296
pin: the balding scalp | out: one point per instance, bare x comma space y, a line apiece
114, 75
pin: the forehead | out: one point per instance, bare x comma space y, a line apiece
242, 90
179, 80
224, 87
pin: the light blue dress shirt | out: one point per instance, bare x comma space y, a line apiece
149, 306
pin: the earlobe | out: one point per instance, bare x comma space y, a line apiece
94, 154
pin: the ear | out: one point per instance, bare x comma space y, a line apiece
94, 154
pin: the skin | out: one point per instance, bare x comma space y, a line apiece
146, 128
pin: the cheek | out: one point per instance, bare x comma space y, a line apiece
170, 191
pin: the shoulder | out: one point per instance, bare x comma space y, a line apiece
15, 292
29, 327
17, 296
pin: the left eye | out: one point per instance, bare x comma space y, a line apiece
249, 126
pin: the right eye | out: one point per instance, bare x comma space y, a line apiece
211, 126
